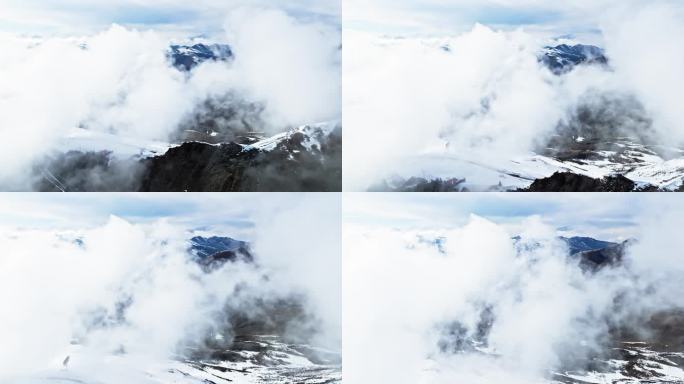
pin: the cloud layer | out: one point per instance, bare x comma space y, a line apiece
416, 106
527, 308
68, 17
132, 288
119, 84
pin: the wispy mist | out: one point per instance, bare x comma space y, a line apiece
468, 303
431, 105
131, 294
120, 86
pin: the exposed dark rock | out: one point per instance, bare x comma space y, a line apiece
572, 182
305, 160
223, 119
420, 184
595, 259
200, 167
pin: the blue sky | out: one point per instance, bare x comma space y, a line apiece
581, 18
606, 216
206, 17
232, 214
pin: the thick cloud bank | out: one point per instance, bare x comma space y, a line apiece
483, 96
119, 86
123, 289
469, 304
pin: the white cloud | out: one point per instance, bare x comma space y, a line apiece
588, 214
55, 290
68, 17
445, 17
412, 109
122, 84
544, 310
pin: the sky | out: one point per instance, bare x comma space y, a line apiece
579, 18
231, 214
611, 217
198, 17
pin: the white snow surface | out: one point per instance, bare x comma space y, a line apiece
84, 140
86, 367
270, 143
637, 163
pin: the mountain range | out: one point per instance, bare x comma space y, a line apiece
605, 143
221, 147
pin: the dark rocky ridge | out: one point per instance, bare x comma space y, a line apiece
295, 164
572, 182
200, 167
419, 184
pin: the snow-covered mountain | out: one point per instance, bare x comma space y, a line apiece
187, 57
254, 359
203, 247
582, 243
563, 58
631, 362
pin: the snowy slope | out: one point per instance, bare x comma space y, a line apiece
271, 361
638, 363
313, 135
639, 163
84, 140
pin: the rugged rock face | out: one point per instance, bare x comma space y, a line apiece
420, 184
572, 182
595, 259
305, 159
290, 166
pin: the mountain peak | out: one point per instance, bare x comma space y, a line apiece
563, 58
187, 57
